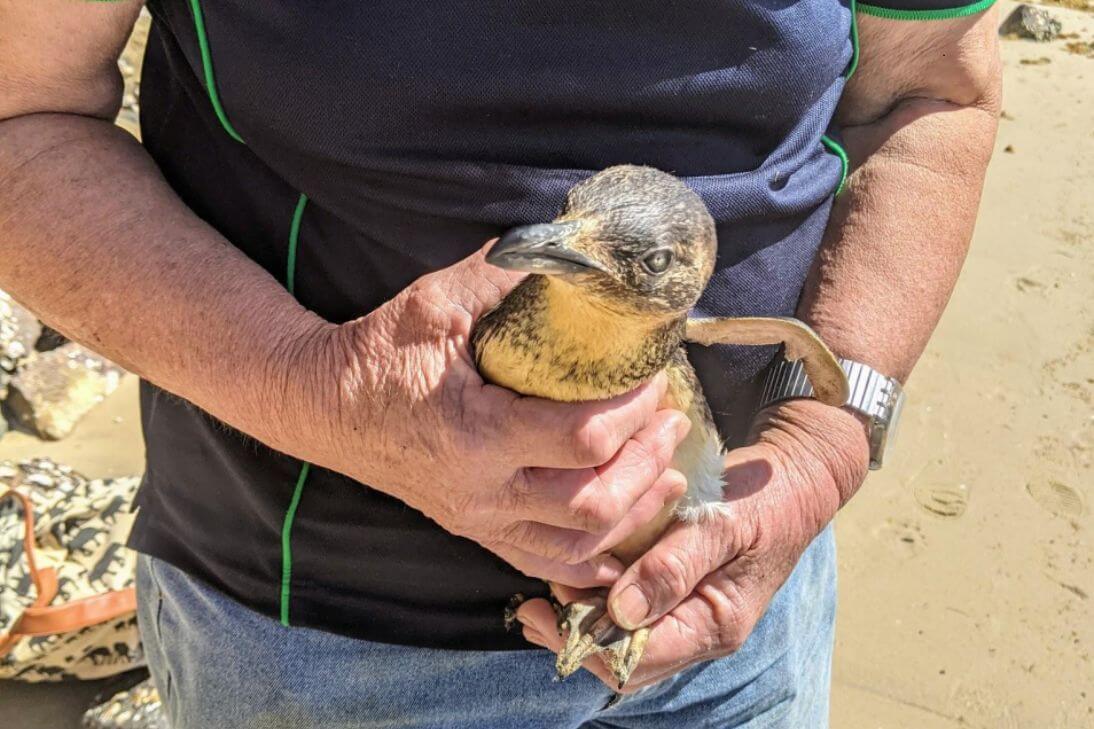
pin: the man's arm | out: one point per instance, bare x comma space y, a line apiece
95, 242
919, 122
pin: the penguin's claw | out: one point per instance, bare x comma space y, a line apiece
510, 615
589, 630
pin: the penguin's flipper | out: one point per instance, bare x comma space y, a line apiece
825, 374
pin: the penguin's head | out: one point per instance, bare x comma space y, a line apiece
633, 239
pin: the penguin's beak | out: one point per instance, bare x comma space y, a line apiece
547, 248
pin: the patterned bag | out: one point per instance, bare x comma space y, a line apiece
136, 708
67, 600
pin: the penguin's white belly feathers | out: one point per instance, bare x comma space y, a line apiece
700, 458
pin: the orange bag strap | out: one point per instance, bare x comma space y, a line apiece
41, 618
77, 614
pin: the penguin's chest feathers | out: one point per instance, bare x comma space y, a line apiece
547, 342
544, 340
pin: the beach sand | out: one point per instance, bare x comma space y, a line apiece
967, 565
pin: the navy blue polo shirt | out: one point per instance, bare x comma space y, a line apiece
349, 148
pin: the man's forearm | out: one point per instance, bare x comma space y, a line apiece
919, 135
889, 260
899, 233
97, 244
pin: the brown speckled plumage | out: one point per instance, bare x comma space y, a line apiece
598, 333
601, 330
522, 324
604, 322
606, 317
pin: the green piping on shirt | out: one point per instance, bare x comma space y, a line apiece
940, 14
290, 284
298, 491
207, 67
835, 148
294, 236
286, 542
854, 42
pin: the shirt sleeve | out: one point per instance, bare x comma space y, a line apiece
922, 9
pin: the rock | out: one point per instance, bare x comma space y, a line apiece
130, 64
53, 391
1030, 22
19, 330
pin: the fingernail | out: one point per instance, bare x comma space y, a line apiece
630, 607
532, 636
607, 569
683, 427
680, 485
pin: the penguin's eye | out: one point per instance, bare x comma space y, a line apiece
658, 261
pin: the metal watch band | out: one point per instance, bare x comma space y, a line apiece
872, 394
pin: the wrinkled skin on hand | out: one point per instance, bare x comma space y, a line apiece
546, 486
703, 587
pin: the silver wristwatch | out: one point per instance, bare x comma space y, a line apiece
874, 395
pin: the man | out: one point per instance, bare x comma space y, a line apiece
293, 253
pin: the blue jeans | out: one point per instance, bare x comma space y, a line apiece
219, 664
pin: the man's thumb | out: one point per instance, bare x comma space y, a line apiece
660, 579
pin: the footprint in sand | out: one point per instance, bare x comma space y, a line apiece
1026, 284
903, 536
1056, 498
948, 501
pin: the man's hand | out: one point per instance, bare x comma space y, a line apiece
546, 486
392, 399
919, 134
704, 586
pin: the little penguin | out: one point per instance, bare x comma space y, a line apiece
604, 310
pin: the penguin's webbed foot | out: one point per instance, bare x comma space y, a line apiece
589, 630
